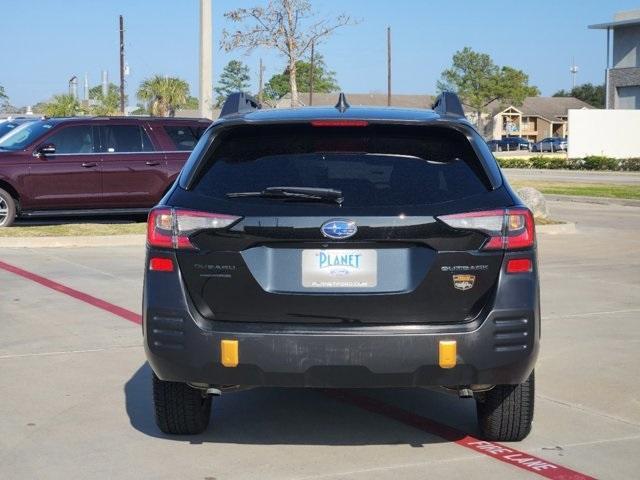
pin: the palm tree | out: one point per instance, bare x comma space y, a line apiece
62, 106
163, 95
105, 105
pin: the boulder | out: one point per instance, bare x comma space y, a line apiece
536, 202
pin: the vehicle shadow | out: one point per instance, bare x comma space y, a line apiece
268, 416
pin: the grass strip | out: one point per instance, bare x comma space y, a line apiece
582, 189
74, 230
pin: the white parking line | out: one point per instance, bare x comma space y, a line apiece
589, 314
68, 352
578, 406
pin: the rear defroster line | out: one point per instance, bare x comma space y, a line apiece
500, 452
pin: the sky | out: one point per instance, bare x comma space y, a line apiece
46, 42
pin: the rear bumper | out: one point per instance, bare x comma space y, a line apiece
501, 348
179, 350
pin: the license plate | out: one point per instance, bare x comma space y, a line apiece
339, 268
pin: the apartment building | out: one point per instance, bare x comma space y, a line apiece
623, 60
537, 118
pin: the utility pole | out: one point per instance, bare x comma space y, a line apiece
311, 72
260, 76
206, 69
388, 66
121, 65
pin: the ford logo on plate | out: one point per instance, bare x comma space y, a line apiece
339, 229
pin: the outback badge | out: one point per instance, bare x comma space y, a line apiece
464, 282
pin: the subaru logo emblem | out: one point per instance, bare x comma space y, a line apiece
339, 229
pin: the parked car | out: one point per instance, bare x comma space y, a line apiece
495, 145
515, 143
342, 247
89, 165
8, 124
551, 144
509, 144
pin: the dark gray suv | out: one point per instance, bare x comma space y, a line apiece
342, 247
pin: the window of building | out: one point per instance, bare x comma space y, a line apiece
628, 97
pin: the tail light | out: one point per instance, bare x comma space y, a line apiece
171, 228
508, 229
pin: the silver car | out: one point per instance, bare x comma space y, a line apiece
551, 144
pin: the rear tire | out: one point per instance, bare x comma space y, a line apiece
179, 408
505, 412
7, 209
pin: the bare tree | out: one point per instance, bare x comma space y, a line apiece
289, 26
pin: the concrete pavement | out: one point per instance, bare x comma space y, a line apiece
76, 403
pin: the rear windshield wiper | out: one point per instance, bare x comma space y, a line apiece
295, 193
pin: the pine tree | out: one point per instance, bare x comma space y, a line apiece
235, 78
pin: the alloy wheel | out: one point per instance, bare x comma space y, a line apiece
4, 211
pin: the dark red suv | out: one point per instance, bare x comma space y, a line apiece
73, 166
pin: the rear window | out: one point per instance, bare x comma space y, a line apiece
183, 137
372, 166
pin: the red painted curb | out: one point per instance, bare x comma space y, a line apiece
500, 452
85, 297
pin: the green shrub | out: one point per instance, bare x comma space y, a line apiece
574, 163
538, 162
630, 164
601, 163
548, 162
594, 162
514, 162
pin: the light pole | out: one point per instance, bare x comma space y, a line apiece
121, 65
260, 82
388, 66
206, 70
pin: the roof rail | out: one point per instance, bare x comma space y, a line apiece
239, 102
448, 103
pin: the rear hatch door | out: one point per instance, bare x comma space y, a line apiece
380, 256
